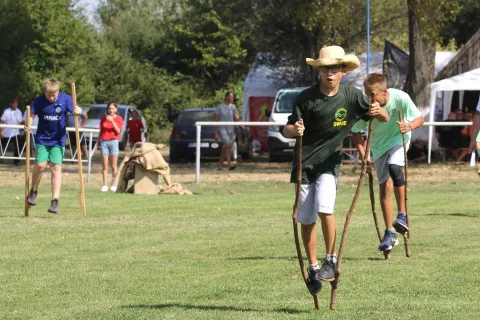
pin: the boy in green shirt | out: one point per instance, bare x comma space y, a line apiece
323, 115
387, 150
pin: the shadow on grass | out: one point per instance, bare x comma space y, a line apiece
304, 258
203, 307
466, 215
265, 258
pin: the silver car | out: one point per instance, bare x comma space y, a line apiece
96, 111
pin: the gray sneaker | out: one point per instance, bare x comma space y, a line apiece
53, 206
327, 271
314, 284
32, 197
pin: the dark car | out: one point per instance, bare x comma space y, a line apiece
183, 139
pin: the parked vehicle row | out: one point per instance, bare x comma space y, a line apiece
183, 136
183, 141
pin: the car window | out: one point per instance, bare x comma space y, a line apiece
99, 112
188, 119
286, 100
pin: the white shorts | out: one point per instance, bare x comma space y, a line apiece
393, 156
318, 197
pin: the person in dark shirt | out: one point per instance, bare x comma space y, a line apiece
324, 114
452, 138
418, 151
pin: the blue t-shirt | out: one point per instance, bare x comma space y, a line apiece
52, 119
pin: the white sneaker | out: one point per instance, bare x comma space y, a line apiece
104, 189
113, 188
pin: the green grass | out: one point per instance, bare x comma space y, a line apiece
228, 253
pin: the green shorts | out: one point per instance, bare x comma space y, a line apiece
51, 154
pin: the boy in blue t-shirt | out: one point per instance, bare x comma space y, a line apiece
52, 109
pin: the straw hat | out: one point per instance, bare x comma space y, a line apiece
334, 55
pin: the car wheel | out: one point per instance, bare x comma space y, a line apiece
273, 158
174, 156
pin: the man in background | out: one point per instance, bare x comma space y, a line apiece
226, 112
11, 137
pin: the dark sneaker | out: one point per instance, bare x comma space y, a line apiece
389, 241
327, 271
313, 283
32, 197
401, 224
53, 206
232, 167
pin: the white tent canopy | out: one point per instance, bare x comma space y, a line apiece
468, 81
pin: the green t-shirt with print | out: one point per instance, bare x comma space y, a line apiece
386, 135
327, 122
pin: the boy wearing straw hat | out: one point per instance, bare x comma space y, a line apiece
388, 153
324, 114
52, 109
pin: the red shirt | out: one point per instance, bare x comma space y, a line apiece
108, 133
135, 133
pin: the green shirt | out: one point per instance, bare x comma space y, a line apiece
327, 122
386, 135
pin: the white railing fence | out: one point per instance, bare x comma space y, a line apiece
199, 125
19, 145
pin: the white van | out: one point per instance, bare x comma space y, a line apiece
278, 145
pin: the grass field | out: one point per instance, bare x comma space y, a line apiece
228, 251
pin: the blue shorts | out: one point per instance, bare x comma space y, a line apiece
109, 147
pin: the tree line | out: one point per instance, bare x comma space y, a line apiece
167, 55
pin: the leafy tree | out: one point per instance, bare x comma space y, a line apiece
43, 39
464, 25
296, 29
425, 20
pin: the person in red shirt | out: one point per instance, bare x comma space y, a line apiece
135, 129
110, 126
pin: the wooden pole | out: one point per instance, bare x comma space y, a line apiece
343, 242
406, 235
81, 194
372, 202
294, 218
27, 158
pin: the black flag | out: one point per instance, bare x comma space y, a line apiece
395, 65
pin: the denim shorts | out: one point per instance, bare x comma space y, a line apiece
109, 147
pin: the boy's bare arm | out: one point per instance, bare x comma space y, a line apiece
357, 139
405, 126
294, 130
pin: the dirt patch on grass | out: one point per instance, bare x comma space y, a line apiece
256, 169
